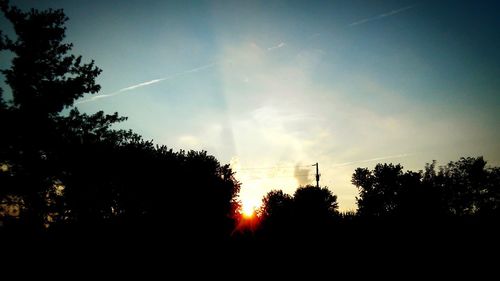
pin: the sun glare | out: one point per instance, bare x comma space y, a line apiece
248, 210
248, 218
248, 207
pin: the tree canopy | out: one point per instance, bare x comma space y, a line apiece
61, 171
462, 188
310, 211
44, 77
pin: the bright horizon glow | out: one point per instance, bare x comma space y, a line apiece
248, 208
248, 212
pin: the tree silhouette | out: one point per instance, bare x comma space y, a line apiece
379, 190
75, 173
463, 188
276, 203
315, 210
388, 191
276, 214
470, 187
311, 211
313, 202
44, 78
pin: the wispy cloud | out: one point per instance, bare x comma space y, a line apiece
147, 83
280, 45
302, 175
372, 160
198, 68
381, 16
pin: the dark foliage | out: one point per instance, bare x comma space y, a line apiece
311, 211
44, 78
463, 188
277, 214
74, 174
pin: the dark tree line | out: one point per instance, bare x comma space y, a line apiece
465, 188
452, 209
64, 173
458, 199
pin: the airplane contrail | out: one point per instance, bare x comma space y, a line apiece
141, 84
381, 16
147, 83
372, 159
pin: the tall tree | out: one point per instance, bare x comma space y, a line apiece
44, 77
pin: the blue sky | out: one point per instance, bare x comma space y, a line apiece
271, 85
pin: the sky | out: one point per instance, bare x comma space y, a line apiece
273, 87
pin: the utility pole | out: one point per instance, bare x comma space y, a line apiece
317, 174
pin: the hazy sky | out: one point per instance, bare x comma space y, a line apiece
263, 84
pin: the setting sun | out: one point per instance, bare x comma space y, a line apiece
248, 218
248, 211
248, 208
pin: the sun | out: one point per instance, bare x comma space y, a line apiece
250, 199
248, 210
248, 207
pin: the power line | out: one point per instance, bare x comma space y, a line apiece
280, 176
275, 167
254, 178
